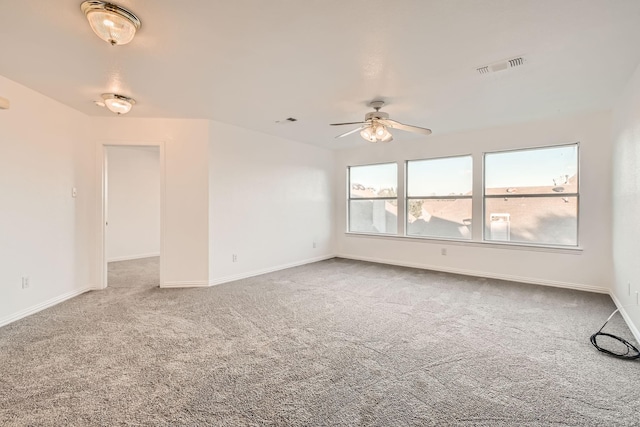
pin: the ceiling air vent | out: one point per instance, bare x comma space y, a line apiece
501, 66
287, 120
516, 61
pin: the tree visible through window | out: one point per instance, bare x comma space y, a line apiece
373, 198
531, 196
439, 197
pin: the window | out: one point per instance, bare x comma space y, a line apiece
373, 198
439, 197
531, 196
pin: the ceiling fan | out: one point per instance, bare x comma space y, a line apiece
375, 126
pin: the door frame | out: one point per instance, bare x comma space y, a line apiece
102, 247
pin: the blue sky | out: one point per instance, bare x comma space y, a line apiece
530, 168
440, 177
453, 175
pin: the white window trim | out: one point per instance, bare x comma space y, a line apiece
576, 195
349, 199
407, 198
478, 210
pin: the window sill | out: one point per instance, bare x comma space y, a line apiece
472, 243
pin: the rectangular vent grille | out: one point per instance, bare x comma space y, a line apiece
501, 66
516, 61
287, 120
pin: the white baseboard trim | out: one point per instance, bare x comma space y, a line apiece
43, 305
132, 257
626, 317
226, 279
253, 273
521, 279
186, 284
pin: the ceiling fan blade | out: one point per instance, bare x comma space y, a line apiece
351, 131
351, 123
397, 125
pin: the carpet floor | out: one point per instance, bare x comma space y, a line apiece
337, 342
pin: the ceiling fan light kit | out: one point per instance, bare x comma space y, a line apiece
112, 23
368, 134
377, 133
376, 124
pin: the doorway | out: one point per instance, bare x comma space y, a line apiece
132, 215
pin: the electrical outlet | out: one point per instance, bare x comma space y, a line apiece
25, 282
234, 258
629, 288
443, 251
314, 245
637, 298
74, 192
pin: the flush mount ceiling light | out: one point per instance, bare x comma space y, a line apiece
117, 103
111, 23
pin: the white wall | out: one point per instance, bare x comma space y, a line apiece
185, 261
270, 200
44, 232
589, 269
229, 191
133, 202
626, 200
233, 191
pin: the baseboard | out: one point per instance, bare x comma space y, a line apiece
132, 257
521, 279
254, 273
43, 305
186, 284
626, 317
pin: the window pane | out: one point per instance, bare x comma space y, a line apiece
451, 176
373, 216
449, 218
373, 181
537, 171
541, 220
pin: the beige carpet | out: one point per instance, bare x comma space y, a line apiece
332, 343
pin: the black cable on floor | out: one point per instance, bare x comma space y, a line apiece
631, 353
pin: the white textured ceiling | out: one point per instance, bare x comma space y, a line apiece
254, 62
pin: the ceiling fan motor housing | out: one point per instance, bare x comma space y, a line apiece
375, 115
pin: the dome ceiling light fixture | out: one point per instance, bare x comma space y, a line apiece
117, 103
110, 22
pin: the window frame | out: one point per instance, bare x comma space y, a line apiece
533, 195
349, 199
478, 235
407, 198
